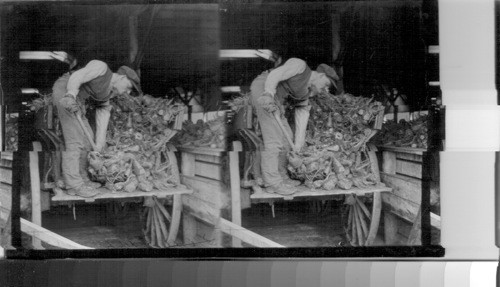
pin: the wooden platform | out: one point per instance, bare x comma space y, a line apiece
305, 193
107, 194
407, 150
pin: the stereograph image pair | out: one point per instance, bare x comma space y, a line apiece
252, 125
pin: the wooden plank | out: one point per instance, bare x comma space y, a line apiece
208, 158
173, 160
415, 236
403, 186
409, 156
246, 235
7, 155
409, 168
6, 175
48, 236
399, 206
388, 162
403, 228
375, 219
374, 164
202, 150
176, 216
211, 235
208, 170
188, 164
435, 221
107, 194
304, 192
188, 228
390, 228
201, 209
234, 170
36, 201
209, 190
6, 163
419, 151
5, 196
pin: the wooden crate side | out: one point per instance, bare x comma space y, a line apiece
409, 168
211, 235
209, 190
246, 235
201, 209
5, 175
392, 233
400, 206
208, 170
6, 163
409, 156
48, 236
404, 187
208, 158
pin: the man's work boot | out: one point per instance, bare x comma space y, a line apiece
260, 182
282, 168
291, 182
83, 165
282, 189
92, 184
83, 191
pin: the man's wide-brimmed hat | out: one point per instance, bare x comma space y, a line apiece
329, 72
132, 76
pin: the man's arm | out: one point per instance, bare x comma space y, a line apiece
91, 71
290, 68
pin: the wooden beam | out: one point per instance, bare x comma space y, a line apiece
105, 193
403, 186
417, 151
48, 236
234, 171
209, 170
176, 217
36, 202
389, 162
246, 235
187, 164
209, 190
5, 175
201, 209
413, 169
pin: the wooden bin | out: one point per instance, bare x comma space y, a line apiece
214, 207
32, 228
402, 171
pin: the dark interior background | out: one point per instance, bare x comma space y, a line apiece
179, 43
383, 42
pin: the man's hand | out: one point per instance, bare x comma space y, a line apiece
70, 104
266, 101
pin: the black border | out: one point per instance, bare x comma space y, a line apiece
234, 253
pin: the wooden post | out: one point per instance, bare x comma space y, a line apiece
389, 162
189, 228
234, 171
390, 228
36, 206
188, 164
176, 216
416, 230
390, 220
